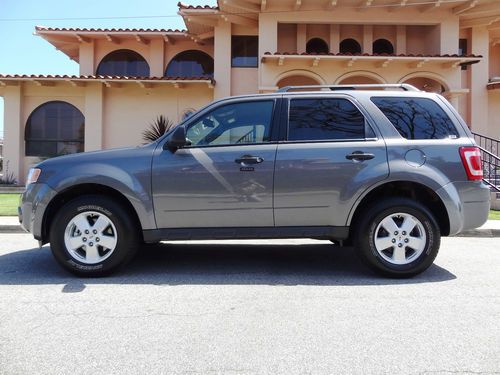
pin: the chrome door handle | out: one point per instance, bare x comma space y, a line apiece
359, 156
249, 159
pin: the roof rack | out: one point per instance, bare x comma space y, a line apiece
402, 86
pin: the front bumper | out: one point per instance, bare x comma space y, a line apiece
34, 202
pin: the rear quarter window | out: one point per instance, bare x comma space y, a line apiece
416, 118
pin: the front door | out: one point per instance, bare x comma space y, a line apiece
225, 178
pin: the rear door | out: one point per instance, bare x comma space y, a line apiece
330, 156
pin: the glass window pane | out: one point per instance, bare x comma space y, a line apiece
189, 64
54, 128
239, 123
416, 118
244, 51
324, 119
123, 62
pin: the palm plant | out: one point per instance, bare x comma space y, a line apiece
157, 128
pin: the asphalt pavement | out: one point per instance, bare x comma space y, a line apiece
250, 307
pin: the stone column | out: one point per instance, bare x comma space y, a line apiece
13, 147
334, 38
301, 37
368, 39
268, 42
479, 80
222, 60
400, 40
93, 117
156, 58
86, 58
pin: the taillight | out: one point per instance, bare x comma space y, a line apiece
471, 159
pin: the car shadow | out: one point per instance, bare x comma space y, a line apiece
215, 264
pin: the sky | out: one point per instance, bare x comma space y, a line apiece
23, 53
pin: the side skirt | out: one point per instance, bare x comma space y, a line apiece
318, 232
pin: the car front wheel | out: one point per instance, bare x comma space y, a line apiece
93, 236
398, 237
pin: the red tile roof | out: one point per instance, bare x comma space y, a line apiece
493, 86
100, 77
99, 30
181, 5
369, 55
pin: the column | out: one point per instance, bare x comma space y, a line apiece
301, 37
93, 117
334, 38
368, 39
400, 40
479, 80
156, 58
268, 42
13, 147
222, 60
449, 35
86, 58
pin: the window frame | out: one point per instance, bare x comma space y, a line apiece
123, 50
369, 128
256, 56
210, 75
274, 123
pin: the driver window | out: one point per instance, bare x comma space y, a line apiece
232, 124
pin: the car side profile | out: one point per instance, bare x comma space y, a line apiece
387, 168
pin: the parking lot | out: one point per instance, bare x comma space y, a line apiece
250, 307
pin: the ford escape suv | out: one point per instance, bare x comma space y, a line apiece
389, 170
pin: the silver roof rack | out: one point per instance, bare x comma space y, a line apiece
401, 86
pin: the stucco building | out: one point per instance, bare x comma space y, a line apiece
128, 77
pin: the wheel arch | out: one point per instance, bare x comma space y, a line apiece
407, 189
74, 191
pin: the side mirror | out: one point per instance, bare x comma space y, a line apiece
176, 140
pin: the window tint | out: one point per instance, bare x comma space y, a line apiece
55, 128
323, 119
232, 124
416, 118
191, 63
123, 62
244, 51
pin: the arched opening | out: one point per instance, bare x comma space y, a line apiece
383, 46
350, 46
191, 63
317, 45
54, 128
426, 84
123, 62
297, 80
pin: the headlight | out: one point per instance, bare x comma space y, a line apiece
33, 175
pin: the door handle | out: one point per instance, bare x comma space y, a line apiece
249, 159
359, 156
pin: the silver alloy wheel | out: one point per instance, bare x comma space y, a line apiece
90, 237
400, 238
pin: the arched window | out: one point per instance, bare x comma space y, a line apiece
123, 62
191, 63
350, 46
317, 45
54, 128
383, 46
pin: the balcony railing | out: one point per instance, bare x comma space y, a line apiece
491, 161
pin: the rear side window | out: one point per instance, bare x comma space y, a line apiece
324, 119
416, 118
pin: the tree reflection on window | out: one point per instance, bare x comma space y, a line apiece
324, 119
416, 118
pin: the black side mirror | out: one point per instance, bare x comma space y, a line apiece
176, 140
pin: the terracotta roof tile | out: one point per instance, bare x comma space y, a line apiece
181, 5
100, 77
99, 30
493, 86
367, 54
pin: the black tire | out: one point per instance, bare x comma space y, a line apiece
127, 235
365, 235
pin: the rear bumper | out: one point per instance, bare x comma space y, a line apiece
467, 203
34, 202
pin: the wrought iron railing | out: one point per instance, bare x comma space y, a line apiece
491, 160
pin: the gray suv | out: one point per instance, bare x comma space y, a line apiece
389, 169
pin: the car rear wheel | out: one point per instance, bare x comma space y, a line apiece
93, 236
398, 237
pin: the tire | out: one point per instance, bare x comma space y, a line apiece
385, 244
93, 236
